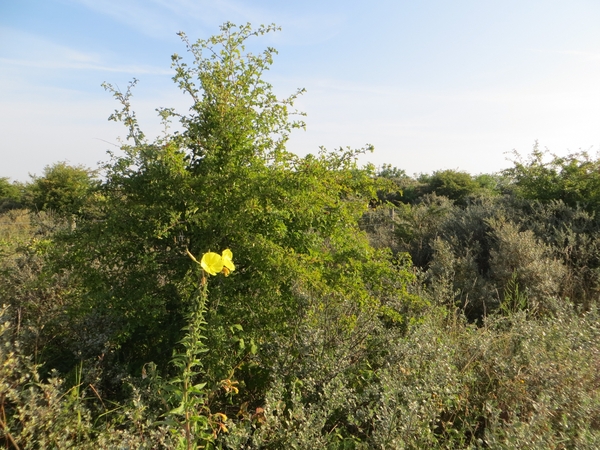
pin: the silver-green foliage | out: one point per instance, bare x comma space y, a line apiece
515, 382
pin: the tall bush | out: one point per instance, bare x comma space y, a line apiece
225, 180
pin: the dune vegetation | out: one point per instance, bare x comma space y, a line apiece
210, 289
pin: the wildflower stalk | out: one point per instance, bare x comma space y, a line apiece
192, 417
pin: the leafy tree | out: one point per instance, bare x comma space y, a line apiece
66, 190
452, 184
225, 181
389, 171
10, 194
573, 179
456, 185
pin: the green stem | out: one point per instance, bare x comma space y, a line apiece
194, 345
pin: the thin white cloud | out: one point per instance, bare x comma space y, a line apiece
41, 53
159, 18
137, 15
163, 18
39, 47
35, 52
208, 11
50, 64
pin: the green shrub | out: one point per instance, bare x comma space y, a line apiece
50, 414
10, 195
66, 190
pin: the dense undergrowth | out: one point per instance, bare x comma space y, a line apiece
366, 308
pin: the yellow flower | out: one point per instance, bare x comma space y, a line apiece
228, 265
212, 263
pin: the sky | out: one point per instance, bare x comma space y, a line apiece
431, 84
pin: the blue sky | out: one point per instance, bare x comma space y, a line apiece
432, 84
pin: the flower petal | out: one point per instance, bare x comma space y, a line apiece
212, 263
227, 260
